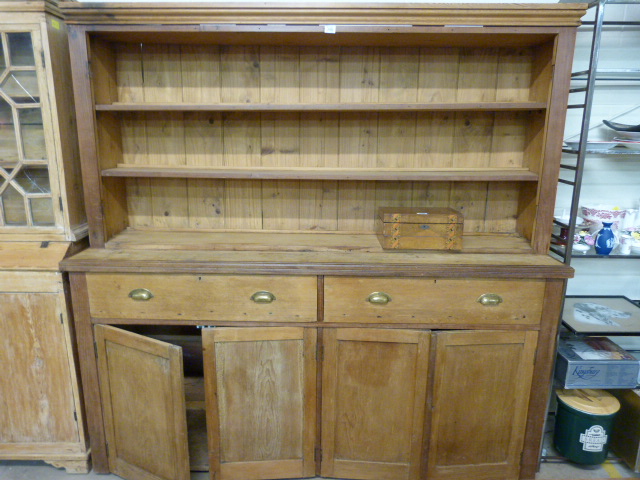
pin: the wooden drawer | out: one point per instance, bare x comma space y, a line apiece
204, 297
424, 300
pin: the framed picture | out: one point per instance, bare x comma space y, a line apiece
601, 315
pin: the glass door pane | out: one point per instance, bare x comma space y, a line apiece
25, 188
21, 49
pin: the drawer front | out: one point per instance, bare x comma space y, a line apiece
424, 300
263, 298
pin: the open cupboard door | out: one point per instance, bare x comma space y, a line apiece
141, 383
260, 386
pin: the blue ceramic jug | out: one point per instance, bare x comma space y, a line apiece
605, 239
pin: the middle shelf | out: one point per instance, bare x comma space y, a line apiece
322, 173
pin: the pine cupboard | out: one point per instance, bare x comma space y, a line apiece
236, 310
41, 416
42, 221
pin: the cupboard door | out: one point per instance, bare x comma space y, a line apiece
142, 388
35, 379
481, 393
373, 403
260, 388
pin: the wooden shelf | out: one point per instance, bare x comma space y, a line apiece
320, 107
379, 174
288, 241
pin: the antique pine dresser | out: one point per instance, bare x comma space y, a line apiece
236, 313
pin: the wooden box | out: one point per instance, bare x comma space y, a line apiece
419, 228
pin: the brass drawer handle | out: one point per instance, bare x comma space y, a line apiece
379, 298
263, 297
490, 299
140, 295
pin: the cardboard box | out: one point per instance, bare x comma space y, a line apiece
595, 362
419, 228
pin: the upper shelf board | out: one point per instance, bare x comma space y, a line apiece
346, 107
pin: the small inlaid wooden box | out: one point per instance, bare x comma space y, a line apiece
413, 228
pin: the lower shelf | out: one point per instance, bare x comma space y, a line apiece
286, 241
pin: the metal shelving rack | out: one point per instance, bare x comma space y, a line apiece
590, 77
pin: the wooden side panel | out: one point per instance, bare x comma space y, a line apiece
86, 120
35, 379
373, 403
261, 409
65, 127
558, 91
143, 402
480, 399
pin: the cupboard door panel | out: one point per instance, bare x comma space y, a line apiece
373, 403
36, 397
481, 393
260, 388
142, 388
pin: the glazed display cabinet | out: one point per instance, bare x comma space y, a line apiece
236, 309
42, 221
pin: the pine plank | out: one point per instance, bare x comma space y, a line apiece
434, 140
204, 147
438, 75
359, 74
358, 140
514, 75
279, 74
477, 75
399, 69
470, 199
472, 146
356, 209
200, 67
396, 141
240, 74
320, 75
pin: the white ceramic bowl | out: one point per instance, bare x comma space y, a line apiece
596, 214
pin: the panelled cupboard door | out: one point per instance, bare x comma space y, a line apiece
35, 394
142, 388
260, 385
373, 402
481, 391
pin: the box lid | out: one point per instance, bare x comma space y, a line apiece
593, 349
419, 215
587, 400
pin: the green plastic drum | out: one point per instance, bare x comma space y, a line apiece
584, 422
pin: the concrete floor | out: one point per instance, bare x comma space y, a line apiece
550, 470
